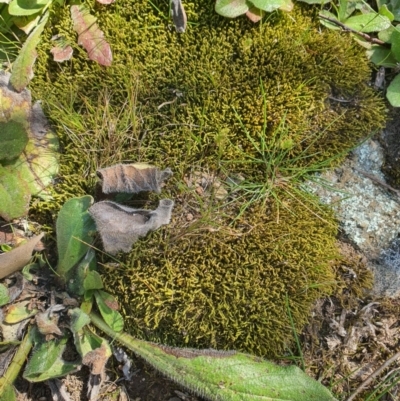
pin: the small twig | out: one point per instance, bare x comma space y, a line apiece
372, 376
340, 100
362, 34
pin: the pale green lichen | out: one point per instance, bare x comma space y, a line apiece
218, 281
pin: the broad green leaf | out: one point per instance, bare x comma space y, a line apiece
381, 56
383, 10
393, 92
90, 36
39, 163
46, 361
75, 232
231, 8
386, 34
396, 44
107, 305
224, 375
371, 22
86, 341
79, 319
93, 281
14, 195
4, 296
272, 5
14, 137
8, 393
18, 311
76, 284
22, 69
26, 7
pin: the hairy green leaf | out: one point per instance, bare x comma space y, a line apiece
224, 375
22, 69
107, 305
90, 36
46, 361
231, 8
371, 22
26, 7
75, 229
393, 92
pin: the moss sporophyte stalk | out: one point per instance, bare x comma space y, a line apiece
219, 279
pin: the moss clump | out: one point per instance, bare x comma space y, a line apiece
227, 289
186, 284
218, 66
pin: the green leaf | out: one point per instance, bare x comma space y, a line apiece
231, 8
75, 229
4, 296
22, 69
396, 44
224, 375
18, 312
14, 195
14, 138
371, 22
381, 56
386, 34
79, 319
8, 393
76, 284
393, 92
383, 10
272, 5
26, 7
107, 305
46, 361
93, 281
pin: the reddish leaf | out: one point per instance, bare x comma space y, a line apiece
61, 54
105, 1
90, 36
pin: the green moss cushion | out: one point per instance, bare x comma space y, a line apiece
201, 101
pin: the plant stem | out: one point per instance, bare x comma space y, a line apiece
17, 362
371, 377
